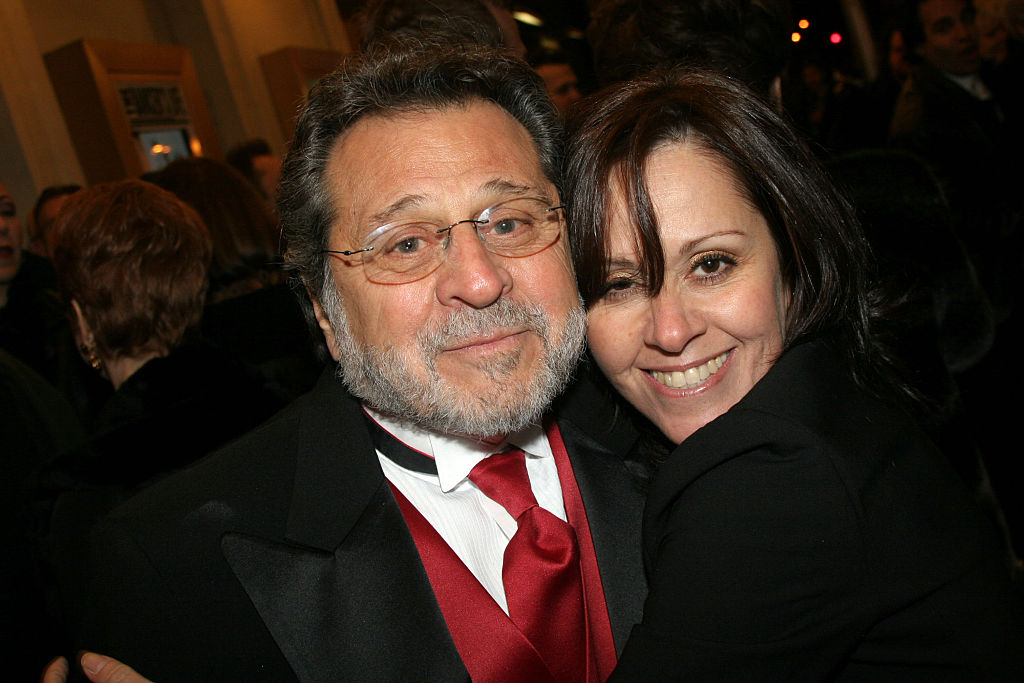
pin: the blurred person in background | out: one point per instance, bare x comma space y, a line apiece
250, 310
31, 319
45, 212
242, 230
261, 167
746, 39
472, 22
132, 263
560, 79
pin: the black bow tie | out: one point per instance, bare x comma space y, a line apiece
398, 452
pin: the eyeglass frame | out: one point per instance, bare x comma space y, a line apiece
474, 221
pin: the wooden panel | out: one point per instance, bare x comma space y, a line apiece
87, 75
290, 72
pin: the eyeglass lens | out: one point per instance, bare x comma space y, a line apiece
410, 250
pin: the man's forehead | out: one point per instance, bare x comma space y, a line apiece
388, 164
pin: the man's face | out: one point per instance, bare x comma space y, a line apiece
46, 216
481, 345
951, 41
562, 85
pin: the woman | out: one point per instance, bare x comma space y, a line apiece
250, 309
803, 529
132, 263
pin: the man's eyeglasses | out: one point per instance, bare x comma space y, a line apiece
407, 250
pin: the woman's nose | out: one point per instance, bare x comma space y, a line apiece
673, 323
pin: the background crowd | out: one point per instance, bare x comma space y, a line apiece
147, 322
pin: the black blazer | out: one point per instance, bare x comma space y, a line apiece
285, 555
812, 533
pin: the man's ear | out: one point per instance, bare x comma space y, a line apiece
325, 326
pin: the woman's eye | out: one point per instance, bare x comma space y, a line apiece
618, 287
709, 265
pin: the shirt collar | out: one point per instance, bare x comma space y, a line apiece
455, 455
973, 84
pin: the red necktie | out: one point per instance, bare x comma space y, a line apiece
541, 568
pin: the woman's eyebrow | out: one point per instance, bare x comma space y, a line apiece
694, 244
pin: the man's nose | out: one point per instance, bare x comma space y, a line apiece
672, 323
471, 274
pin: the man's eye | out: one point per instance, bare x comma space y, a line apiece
507, 226
407, 245
409, 239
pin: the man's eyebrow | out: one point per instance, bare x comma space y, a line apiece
497, 186
500, 186
398, 206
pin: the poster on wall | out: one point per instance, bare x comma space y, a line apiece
158, 116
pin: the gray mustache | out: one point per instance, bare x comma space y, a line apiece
472, 322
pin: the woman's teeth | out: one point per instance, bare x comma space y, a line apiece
691, 377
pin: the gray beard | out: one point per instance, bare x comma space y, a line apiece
383, 379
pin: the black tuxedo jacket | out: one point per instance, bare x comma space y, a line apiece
285, 555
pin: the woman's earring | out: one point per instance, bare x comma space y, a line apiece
89, 354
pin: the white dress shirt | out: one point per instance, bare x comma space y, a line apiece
476, 527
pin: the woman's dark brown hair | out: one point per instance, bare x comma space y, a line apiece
822, 252
135, 258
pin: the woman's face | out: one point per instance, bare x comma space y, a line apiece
687, 355
10, 242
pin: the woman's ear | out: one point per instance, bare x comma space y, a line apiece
80, 328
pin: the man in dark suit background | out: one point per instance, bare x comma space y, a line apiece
421, 209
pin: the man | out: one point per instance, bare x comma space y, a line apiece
422, 216
947, 115
747, 39
45, 213
559, 79
258, 164
10, 243
31, 320
472, 22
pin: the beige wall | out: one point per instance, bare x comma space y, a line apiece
58, 22
225, 37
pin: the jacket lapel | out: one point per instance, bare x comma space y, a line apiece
613, 499
603, 447
345, 595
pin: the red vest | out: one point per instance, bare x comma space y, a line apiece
490, 645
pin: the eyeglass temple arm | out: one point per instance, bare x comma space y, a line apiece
345, 253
